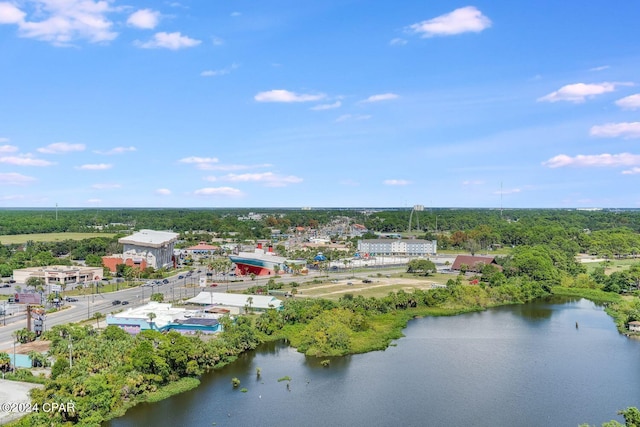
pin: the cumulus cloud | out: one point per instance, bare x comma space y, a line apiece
398, 42
13, 178
25, 160
221, 72
146, 19
580, 92
172, 41
464, 20
95, 167
61, 147
106, 186
205, 163
8, 148
396, 182
163, 192
352, 117
380, 97
62, 22
630, 102
269, 179
116, 150
321, 107
281, 95
594, 160
625, 130
10, 14
219, 191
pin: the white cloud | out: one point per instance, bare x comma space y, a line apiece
594, 160
8, 148
613, 130
106, 186
95, 167
219, 191
353, 117
221, 72
3, 140
146, 19
380, 97
235, 14
473, 182
10, 14
601, 68
61, 22
269, 179
13, 178
163, 192
630, 102
217, 41
398, 42
116, 150
210, 178
228, 168
632, 171
61, 147
281, 95
321, 107
463, 20
508, 191
13, 197
579, 92
173, 41
26, 160
398, 182
202, 163
94, 201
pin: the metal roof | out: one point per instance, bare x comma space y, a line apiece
236, 300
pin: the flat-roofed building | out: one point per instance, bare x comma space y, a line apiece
146, 248
59, 274
236, 302
399, 247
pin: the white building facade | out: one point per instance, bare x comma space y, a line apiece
399, 247
155, 247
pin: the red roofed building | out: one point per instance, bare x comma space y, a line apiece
473, 263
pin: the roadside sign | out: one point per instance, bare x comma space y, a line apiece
56, 288
28, 298
203, 282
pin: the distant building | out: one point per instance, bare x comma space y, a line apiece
399, 247
59, 274
472, 263
634, 326
165, 318
146, 248
202, 248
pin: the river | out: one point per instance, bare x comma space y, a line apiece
553, 362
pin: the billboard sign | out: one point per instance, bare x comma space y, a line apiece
28, 298
56, 288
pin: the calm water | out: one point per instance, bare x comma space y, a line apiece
523, 365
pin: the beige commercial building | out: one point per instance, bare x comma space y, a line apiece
59, 274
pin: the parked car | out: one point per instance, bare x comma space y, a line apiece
213, 285
367, 281
125, 302
350, 283
181, 277
71, 299
5, 285
165, 281
116, 302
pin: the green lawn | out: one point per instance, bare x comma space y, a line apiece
49, 237
612, 265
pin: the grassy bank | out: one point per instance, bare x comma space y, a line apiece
595, 295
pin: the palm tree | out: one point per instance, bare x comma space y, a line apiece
98, 316
250, 303
151, 316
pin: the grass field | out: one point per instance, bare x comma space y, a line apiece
48, 237
612, 265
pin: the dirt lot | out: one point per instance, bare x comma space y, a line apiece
39, 346
377, 288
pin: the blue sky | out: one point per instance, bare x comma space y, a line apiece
321, 103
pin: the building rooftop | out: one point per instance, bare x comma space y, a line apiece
235, 300
151, 238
